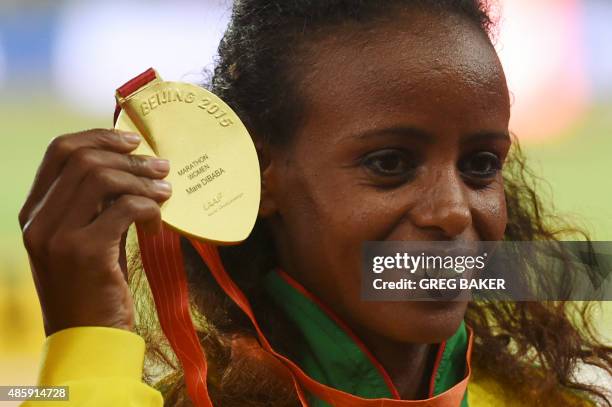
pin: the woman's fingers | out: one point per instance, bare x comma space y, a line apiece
75, 241
59, 151
84, 164
108, 183
115, 220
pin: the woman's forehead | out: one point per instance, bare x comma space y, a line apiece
448, 70
410, 55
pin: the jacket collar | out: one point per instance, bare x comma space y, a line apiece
333, 355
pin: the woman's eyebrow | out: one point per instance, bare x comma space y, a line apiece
427, 137
414, 133
486, 136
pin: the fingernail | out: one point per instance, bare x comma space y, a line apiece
161, 165
162, 185
131, 138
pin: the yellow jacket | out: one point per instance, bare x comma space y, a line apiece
103, 367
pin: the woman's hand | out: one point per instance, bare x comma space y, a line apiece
87, 192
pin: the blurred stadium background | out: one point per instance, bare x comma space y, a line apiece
60, 62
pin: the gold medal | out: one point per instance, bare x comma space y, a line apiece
214, 167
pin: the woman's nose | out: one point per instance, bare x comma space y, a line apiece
443, 206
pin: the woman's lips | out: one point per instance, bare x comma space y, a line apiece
445, 250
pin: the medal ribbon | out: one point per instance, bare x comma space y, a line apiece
162, 260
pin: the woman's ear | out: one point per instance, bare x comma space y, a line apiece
267, 203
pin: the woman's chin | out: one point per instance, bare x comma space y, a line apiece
441, 320
418, 321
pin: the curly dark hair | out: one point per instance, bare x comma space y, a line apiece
258, 75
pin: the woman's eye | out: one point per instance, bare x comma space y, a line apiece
483, 164
390, 163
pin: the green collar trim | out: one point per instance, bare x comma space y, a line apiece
334, 356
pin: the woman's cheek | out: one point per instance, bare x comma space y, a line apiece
490, 214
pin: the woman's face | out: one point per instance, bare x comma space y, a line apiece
405, 127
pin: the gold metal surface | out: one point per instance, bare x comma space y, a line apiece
214, 167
